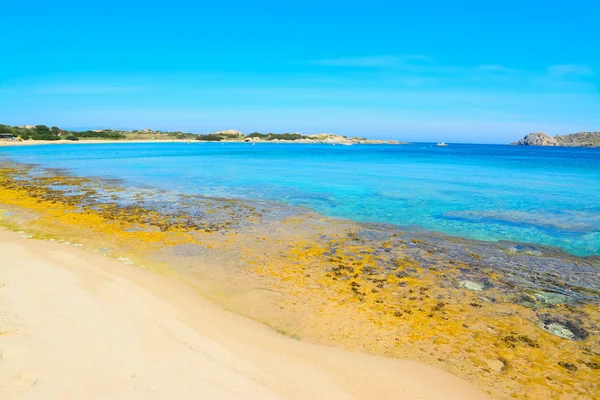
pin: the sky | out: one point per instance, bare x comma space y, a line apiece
433, 70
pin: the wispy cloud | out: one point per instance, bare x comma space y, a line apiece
492, 68
382, 61
76, 88
569, 71
421, 70
567, 77
415, 68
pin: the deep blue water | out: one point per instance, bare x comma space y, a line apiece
541, 195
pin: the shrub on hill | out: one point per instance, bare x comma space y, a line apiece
285, 136
257, 135
5, 129
70, 137
42, 130
279, 136
114, 135
210, 138
44, 136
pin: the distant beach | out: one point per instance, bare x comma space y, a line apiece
42, 134
98, 141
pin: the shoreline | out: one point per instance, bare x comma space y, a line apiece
104, 314
68, 142
144, 141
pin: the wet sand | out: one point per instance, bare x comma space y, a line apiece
79, 325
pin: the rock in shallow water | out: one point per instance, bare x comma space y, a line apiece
471, 285
543, 299
559, 330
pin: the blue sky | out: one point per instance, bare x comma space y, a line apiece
463, 71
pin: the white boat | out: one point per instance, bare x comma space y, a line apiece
441, 144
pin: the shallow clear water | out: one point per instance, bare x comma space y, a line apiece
548, 196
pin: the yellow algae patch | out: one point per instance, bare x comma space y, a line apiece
410, 312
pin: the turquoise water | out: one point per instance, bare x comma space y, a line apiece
548, 196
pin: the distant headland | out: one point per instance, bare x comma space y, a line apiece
48, 134
580, 139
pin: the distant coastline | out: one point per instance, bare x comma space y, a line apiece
580, 139
42, 134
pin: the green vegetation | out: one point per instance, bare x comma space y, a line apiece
71, 137
106, 134
279, 136
258, 135
5, 129
580, 139
211, 138
223, 135
39, 132
43, 132
285, 136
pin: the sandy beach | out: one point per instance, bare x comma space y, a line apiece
93, 141
75, 324
131, 141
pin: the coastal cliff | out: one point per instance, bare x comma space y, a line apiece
580, 139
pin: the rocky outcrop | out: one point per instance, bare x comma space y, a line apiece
536, 139
580, 139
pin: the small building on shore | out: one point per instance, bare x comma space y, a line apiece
7, 136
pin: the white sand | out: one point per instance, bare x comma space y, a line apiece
89, 141
77, 325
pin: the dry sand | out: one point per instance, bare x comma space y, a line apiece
77, 325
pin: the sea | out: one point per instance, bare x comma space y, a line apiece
546, 196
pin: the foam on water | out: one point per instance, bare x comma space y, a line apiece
548, 196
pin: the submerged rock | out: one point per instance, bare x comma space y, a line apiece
569, 330
543, 299
566, 327
471, 285
559, 330
551, 298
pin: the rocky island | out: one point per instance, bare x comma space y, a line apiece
580, 139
